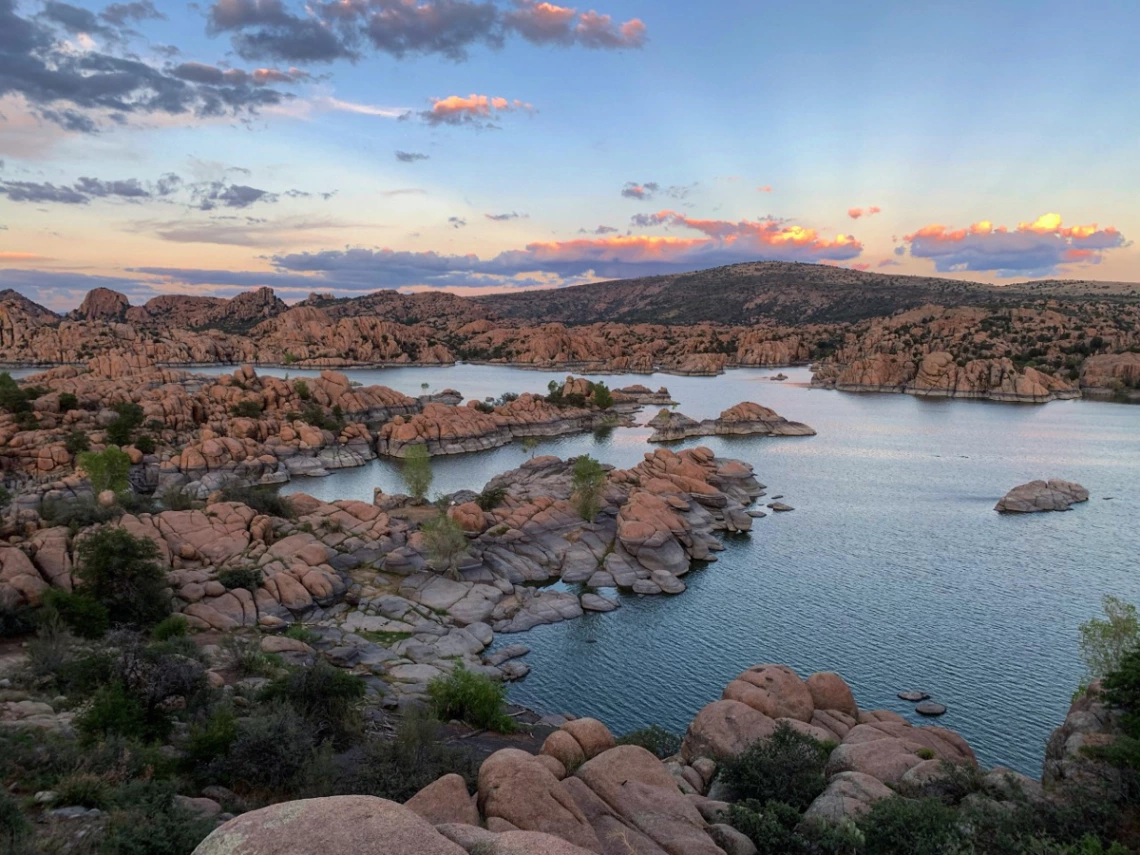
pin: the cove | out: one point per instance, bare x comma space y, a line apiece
893, 570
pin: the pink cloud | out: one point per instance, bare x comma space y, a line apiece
856, 213
471, 109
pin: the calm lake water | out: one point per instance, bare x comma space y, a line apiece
893, 570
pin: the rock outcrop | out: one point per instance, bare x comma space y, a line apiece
1051, 495
745, 419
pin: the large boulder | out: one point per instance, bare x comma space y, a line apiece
517, 787
829, 691
338, 825
1036, 496
775, 690
725, 729
445, 800
848, 794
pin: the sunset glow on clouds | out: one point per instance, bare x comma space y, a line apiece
1037, 248
330, 145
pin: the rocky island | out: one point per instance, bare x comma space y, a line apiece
1036, 496
745, 419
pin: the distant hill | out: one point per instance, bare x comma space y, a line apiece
28, 307
437, 308
776, 292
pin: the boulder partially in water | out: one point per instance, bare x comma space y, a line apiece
1051, 495
745, 419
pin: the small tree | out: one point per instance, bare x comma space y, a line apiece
445, 542
107, 469
603, 398
77, 442
589, 485
529, 444
122, 572
129, 417
416, 471
1104, 643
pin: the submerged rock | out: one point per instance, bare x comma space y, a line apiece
745, 419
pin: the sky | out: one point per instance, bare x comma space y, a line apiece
347, 146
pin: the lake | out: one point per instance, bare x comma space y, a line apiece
893, 570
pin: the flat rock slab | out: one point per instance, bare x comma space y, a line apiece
596, 603
1037, 496
913, 697
930, 708
780, 507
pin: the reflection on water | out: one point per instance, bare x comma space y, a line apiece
893, 570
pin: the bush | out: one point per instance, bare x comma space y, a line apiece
491, 498
270, 750
302, 390
83, 614
16, 620
177, 499
51, 648
115, 710
107, 469
12, 397
211, 739
603, 398
264, 500
246, 657
129, 416
78, 514
655, 739
150, 822
327, 697
397, 769
240, 577
912, 827
246, 409
445, 542
85, 790
146, 444
77, 442
15, 830
416, 471
121, 571
1104, 643
175, 626
786, 767
68, 402
589, 485
770, 826
472, 698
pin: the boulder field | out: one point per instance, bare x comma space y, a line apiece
584, 793
745, 419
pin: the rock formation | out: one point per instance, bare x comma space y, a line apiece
745, 419
1052, 495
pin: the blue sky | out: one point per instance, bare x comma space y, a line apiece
203, 148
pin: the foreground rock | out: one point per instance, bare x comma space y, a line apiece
745, 419
1036, 496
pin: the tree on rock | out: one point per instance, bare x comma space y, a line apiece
122, 572
603, 398
107, 469
446, 543
1105, 643
416, 471
589, 486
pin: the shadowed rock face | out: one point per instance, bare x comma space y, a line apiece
1036, 496
745, 419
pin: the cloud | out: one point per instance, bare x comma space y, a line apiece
83, 89
548, 24
65, 290
767, 188
404, 191
247, 231
607, 256
600, 230
31, 191
856, 213
214, 194
502, 218
1038, 248
328, 30
197, 72
475, 110
6, 257
411, 156
651, 189
457, 222
118, 14
888, 262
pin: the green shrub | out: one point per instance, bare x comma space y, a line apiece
175, 626
416, 471
51, 648
445, 543
1104, 643
786, 767
302, 390
85, 790
491, 498
15, 830
107, 469
771, 826
270, 750
211, 739
327, 697
129, 417
264, 500
149, 822
246, 409
78, 514
16, 620
83, 614
398, 768
898, 826
116, 710
589, 480
240, 577
298, 632
145, 443
121, 571
77, 442
68, 402
245, 656
603, 398
655, 739
27, 421
473, 698
177, 499
12, 397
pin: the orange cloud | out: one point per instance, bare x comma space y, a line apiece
20, 256
856, 213
768, 232
767, 188
470, 109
